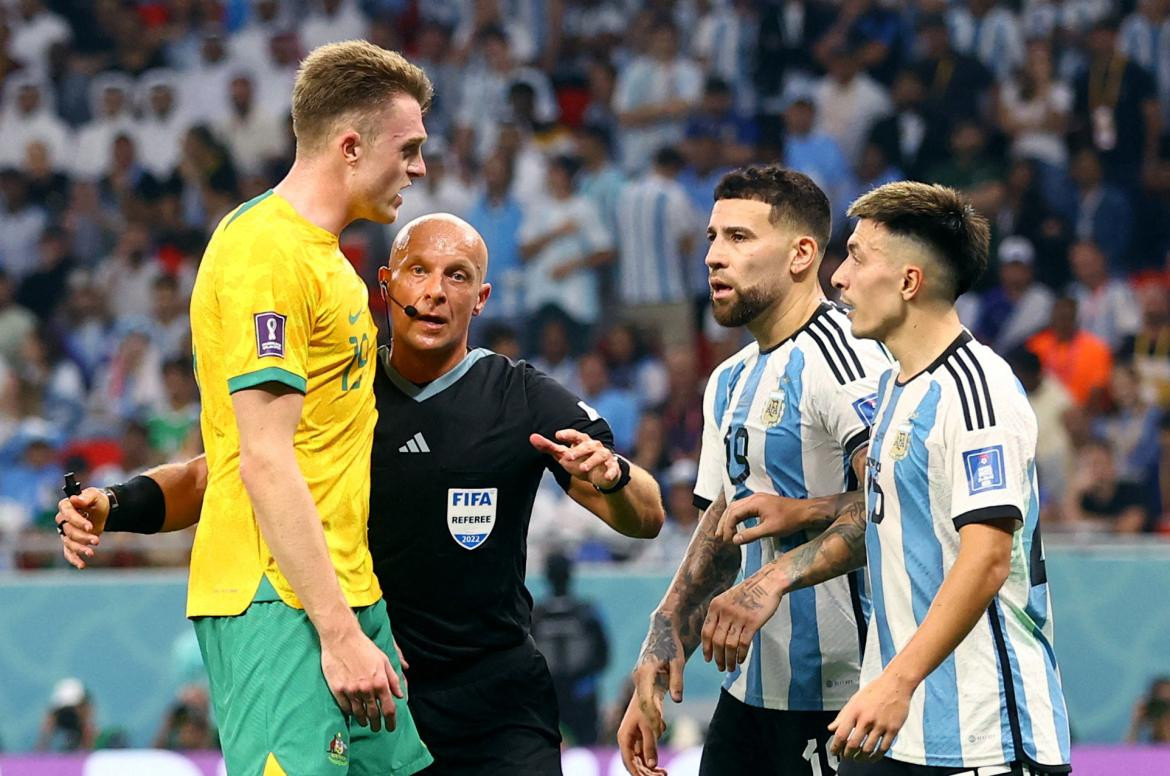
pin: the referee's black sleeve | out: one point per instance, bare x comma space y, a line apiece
553, 407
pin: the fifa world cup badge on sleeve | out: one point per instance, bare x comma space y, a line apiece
866, 408
471, 515
269, 334
984, 469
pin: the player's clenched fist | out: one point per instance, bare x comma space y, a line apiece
80, 521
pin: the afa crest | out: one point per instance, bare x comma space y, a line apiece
901, 445
337, 750
773, 408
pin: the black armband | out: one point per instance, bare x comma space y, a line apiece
136, 506
623, 480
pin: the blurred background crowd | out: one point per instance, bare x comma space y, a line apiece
583, 139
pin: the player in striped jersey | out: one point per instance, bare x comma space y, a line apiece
959, 675
788, 416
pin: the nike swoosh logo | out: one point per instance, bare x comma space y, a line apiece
354, 318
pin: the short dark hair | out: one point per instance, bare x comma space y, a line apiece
940, 218
669, 157
597, 132
569, 165
794, 197
1023, 361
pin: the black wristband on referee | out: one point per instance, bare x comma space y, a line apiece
623, 480
138, 506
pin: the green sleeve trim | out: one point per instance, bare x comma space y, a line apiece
272, 374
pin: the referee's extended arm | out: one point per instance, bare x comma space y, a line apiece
621, 493
83, 518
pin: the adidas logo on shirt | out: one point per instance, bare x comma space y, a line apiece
416, 444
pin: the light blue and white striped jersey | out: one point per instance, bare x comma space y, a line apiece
1148, 45
654, 214
955, 445
996, 39
787, 422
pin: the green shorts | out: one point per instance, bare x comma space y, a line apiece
275, 713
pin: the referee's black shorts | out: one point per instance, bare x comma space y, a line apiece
498, 716
745, 739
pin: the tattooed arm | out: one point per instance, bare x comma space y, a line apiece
708, 568
734, 617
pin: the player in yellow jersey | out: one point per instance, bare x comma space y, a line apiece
282, 591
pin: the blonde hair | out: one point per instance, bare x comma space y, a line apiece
351, 79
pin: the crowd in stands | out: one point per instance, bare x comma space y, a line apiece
583, 139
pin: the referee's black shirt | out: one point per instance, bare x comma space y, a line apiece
453, 481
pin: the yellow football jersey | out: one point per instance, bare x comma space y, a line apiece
275, 301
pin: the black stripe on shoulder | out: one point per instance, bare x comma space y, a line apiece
987, 514
832, 321
815, 337
962, 393
823, 330
976, 399
970, 355
700, 503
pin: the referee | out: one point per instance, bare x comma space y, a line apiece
462, 440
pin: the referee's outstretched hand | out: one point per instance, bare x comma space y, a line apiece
80, 521
362, 680
582, 456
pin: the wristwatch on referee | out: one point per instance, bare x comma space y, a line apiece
623, 480
112, 497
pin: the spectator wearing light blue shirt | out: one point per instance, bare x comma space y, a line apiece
617, 406
497, 217
653, 96
658, 229
563, 243
817, 155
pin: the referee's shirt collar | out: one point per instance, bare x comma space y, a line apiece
421, 393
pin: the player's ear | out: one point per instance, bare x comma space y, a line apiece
384, 281
804, 254
912, 281
485, 290
350, 144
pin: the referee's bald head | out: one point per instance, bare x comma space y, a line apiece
444, 233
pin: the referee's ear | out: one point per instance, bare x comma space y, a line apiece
485, 290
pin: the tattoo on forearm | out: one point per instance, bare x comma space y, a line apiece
751, 594
708, 568
836, 551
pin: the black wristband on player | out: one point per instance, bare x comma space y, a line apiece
136, 506
623, 480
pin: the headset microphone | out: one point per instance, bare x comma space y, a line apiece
410, 310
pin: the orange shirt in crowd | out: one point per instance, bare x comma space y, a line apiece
1081, 364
